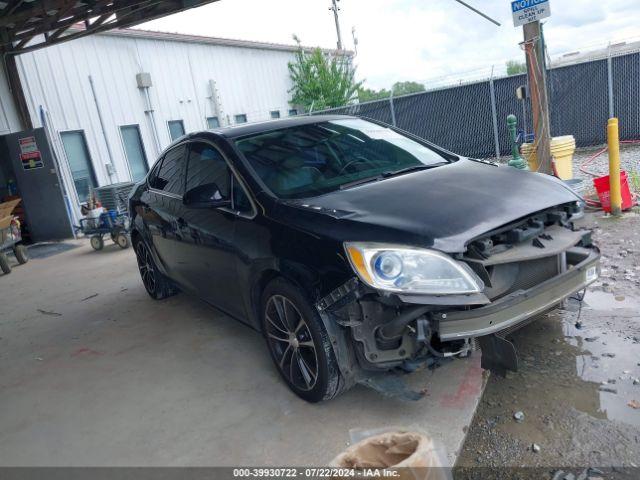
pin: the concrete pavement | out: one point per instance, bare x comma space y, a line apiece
95, 373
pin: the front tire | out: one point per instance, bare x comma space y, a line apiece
157, 285
5, 266
97, 243
299, 343
20, 251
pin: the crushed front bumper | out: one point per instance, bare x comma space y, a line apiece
517, 307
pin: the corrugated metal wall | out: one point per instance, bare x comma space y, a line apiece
251, 81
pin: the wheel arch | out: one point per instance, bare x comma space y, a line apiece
300, 276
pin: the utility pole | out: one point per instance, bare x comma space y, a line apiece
334, 7
535, 54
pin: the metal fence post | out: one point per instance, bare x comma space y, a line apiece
393, 110
494, 113
610, 82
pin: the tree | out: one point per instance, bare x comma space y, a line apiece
369, 95
398, 88
405, 88
320, 80
516, 68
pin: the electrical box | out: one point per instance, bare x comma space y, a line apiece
521, 92
143, 79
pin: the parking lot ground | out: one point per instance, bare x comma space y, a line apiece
94, 373
578, 384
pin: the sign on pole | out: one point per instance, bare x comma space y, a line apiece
527, 11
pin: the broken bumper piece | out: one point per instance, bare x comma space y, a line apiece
518, 307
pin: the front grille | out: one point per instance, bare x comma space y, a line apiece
534, 272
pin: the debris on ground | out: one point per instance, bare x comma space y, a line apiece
518, 417
608, 390
89, 297
47, 312
562, 395
535, 447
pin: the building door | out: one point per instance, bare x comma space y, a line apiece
84, 177
134, 151
27, 158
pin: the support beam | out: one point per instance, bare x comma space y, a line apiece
15, 88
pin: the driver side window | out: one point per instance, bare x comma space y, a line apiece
208, 171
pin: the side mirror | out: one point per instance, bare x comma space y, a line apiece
205, 196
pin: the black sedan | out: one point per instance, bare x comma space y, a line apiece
355, 248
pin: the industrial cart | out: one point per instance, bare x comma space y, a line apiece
10, 238
110, 223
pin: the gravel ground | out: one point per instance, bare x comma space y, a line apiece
577, 385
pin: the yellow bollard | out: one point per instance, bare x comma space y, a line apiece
614, 166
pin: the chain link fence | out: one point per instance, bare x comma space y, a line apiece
470, 119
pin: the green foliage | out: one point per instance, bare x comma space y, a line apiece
634, 179
405, 88
322, 81
368, 95
399, 88
515, 68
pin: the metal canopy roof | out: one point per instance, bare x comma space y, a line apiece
22, 21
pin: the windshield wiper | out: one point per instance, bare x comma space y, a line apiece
413, 168
383, 175
360, 181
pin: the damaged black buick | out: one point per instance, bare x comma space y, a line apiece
358, 250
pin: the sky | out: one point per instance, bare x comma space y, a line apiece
417, 40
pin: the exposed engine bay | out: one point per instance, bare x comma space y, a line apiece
527, 267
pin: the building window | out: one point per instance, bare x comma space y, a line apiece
212, 122
275, 114
176, 129
84, 177
242, 118
134, 151
293, 112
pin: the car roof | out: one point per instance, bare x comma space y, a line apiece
236, 131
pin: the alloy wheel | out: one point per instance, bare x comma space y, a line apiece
146, 267
291, 342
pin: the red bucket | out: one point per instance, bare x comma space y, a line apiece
602, 187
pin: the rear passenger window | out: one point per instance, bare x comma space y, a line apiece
208, 167
170, 177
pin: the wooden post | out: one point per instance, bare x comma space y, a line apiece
534, 49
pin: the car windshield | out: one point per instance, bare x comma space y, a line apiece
310, 160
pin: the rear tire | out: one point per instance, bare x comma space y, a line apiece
122, 240
20, 251
157, 285
4, 263
299, 343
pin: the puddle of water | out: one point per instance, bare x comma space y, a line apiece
597, 300
609, 355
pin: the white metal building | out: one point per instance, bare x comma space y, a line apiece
112, 101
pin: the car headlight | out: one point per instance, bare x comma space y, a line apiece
411, 270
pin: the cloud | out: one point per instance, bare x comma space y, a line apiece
409, 39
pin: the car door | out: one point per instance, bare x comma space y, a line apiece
163, 210
208, 223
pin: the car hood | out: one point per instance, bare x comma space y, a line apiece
443, 208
